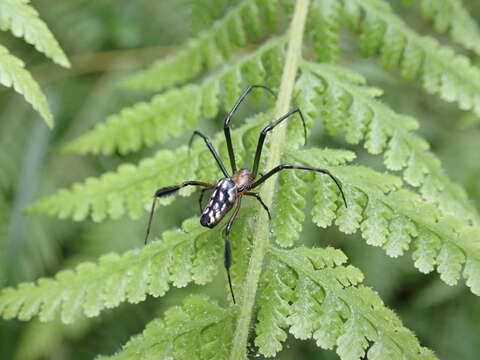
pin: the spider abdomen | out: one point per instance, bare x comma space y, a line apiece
220, 203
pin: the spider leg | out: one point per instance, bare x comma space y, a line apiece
168, 191
212, 150
227, 252
257, 196
297, 167
226, 122
270, 127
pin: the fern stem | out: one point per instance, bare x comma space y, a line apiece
262, 233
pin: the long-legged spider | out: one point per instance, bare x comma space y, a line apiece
229, 190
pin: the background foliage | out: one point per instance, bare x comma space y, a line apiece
118, 39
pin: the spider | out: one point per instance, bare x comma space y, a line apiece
229, 190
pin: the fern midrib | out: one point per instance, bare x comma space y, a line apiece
261, 235
392, 20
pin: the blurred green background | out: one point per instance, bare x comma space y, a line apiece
107, 40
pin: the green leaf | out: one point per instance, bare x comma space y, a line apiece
276, 292
371, 37
91, 288
199, 329
375, 227
443, 71
289, 211
390, 218
165, 116
177, 110
450, 260
239, 26
472, 275
23, 21
353, 343
13, 74
383, 130
324, 24
329, 304
451, 16
401, 231
426, 248
348, 218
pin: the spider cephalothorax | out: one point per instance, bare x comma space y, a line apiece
229, 190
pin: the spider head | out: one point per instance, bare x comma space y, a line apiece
242, 178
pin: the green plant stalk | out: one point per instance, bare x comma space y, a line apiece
262, 232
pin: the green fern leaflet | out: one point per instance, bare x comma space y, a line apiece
22, 21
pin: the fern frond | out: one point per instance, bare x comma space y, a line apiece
172, 113
451, 16
131, 187
203, 14
199, 329
350, 108
91, 288
289, 208
442, 71
23, 21
313, 295
13, 74
163, 117
323, 28
238, 27
127, 189
390, 218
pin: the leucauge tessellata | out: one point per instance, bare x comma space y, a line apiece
229, 190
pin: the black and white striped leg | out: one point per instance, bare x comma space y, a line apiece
257, 196
227, 252
169, 190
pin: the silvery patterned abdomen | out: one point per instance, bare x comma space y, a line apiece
220, 203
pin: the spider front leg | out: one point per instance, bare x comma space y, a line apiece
227, 252
169, 190
270, 127
226, 122
297, 167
